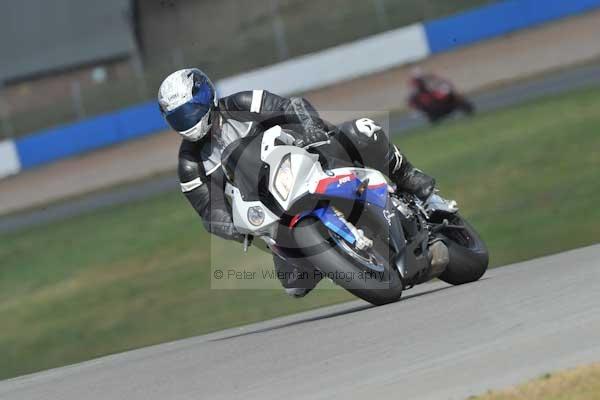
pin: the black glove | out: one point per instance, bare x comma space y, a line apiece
311, 135
220, 223
313, 129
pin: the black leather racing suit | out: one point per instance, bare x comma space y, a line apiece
246, 113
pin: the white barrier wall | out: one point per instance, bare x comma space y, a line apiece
9, 159
363, 57
313, 71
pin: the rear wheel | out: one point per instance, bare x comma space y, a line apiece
367, 275
468, 254
466, 106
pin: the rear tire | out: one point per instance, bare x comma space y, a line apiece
469, 256
466, 106
321, 251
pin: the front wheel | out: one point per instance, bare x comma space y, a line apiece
469, 256
368, 276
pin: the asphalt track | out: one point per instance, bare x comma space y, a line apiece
440, 342
510, 95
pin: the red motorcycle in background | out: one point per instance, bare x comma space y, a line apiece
436, 98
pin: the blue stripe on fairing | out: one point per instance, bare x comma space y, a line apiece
376, 195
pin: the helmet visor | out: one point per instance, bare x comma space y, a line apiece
186, 116
189, 114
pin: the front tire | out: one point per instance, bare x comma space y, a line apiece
320, 250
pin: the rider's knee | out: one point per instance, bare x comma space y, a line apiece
297, 292
362, 131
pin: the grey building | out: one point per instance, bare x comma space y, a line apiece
38, 37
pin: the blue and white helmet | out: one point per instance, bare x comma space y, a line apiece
186, 99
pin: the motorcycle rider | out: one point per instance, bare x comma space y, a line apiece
434, 96
189, 103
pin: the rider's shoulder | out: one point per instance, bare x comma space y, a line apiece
196, 158
253, 101
240, 101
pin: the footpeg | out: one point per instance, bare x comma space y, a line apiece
444, 225
438, 203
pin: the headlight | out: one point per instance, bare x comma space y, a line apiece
284, 178
256, 215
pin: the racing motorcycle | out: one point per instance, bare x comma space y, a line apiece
440, 101
348, 223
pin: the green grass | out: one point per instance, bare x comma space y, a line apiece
136, 275
120, 279
526, 177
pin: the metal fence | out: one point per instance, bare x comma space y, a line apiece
223, 38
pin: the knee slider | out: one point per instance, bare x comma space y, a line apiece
367, 127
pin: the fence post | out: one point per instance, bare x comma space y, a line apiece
177, 58
8, 130
137, 65
136, 62
77, 99
279, 31
381, 14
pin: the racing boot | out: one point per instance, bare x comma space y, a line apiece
412, 180
408, 178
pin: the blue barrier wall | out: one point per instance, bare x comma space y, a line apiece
69, 140
498, 19
438, 35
